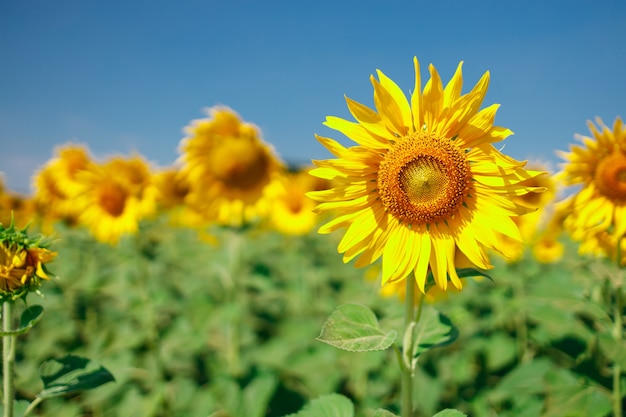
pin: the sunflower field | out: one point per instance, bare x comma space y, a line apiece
467, 282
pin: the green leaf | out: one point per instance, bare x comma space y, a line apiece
69, 374
354, 327
525, 380
584, 402
613, 349
449, 412
384, 413
28, 319
331, 405
433, 330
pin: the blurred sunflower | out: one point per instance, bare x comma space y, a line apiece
174, 189
56, 183
292, 211
15, 207
599, 169
114, 197
229, 168
425, 187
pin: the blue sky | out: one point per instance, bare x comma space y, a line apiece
124, 76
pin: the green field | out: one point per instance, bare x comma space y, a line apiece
190, 328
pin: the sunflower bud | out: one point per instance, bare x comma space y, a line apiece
23, 261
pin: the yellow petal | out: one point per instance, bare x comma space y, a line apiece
416, 98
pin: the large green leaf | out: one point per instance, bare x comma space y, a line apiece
354, 327
433, 330
69, 374
28, 319
331, 405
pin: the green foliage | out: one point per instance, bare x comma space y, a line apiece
190, 328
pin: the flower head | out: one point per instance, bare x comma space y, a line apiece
598, 167
23, 261
114, 196
292, 211
56, 184
425, 189
228, 167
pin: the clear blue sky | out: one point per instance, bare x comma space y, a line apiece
123, 76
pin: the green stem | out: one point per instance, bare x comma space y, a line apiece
618, 329
617, 372
8, 359
32, 406
407, 349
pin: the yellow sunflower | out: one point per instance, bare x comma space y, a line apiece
598, 167
173, 187
425, 188
22, 262
174, 190
56, 183
292, 211
112, 203
229, 167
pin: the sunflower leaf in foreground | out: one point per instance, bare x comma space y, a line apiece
433, 330
354, 327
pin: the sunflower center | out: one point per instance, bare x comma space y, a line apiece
112, 198
424, 179
240, 164
610, 177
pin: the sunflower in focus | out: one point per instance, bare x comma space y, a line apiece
598, 167
114, 197
292, 211
229, 168
23, 260
424, 189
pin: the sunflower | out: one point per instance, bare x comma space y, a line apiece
292, 211
56, 183
112, 202
23, 261
229, 168
425, 188
599, 169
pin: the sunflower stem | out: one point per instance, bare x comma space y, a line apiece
617, 371
410, 320
618, 330
8, 359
